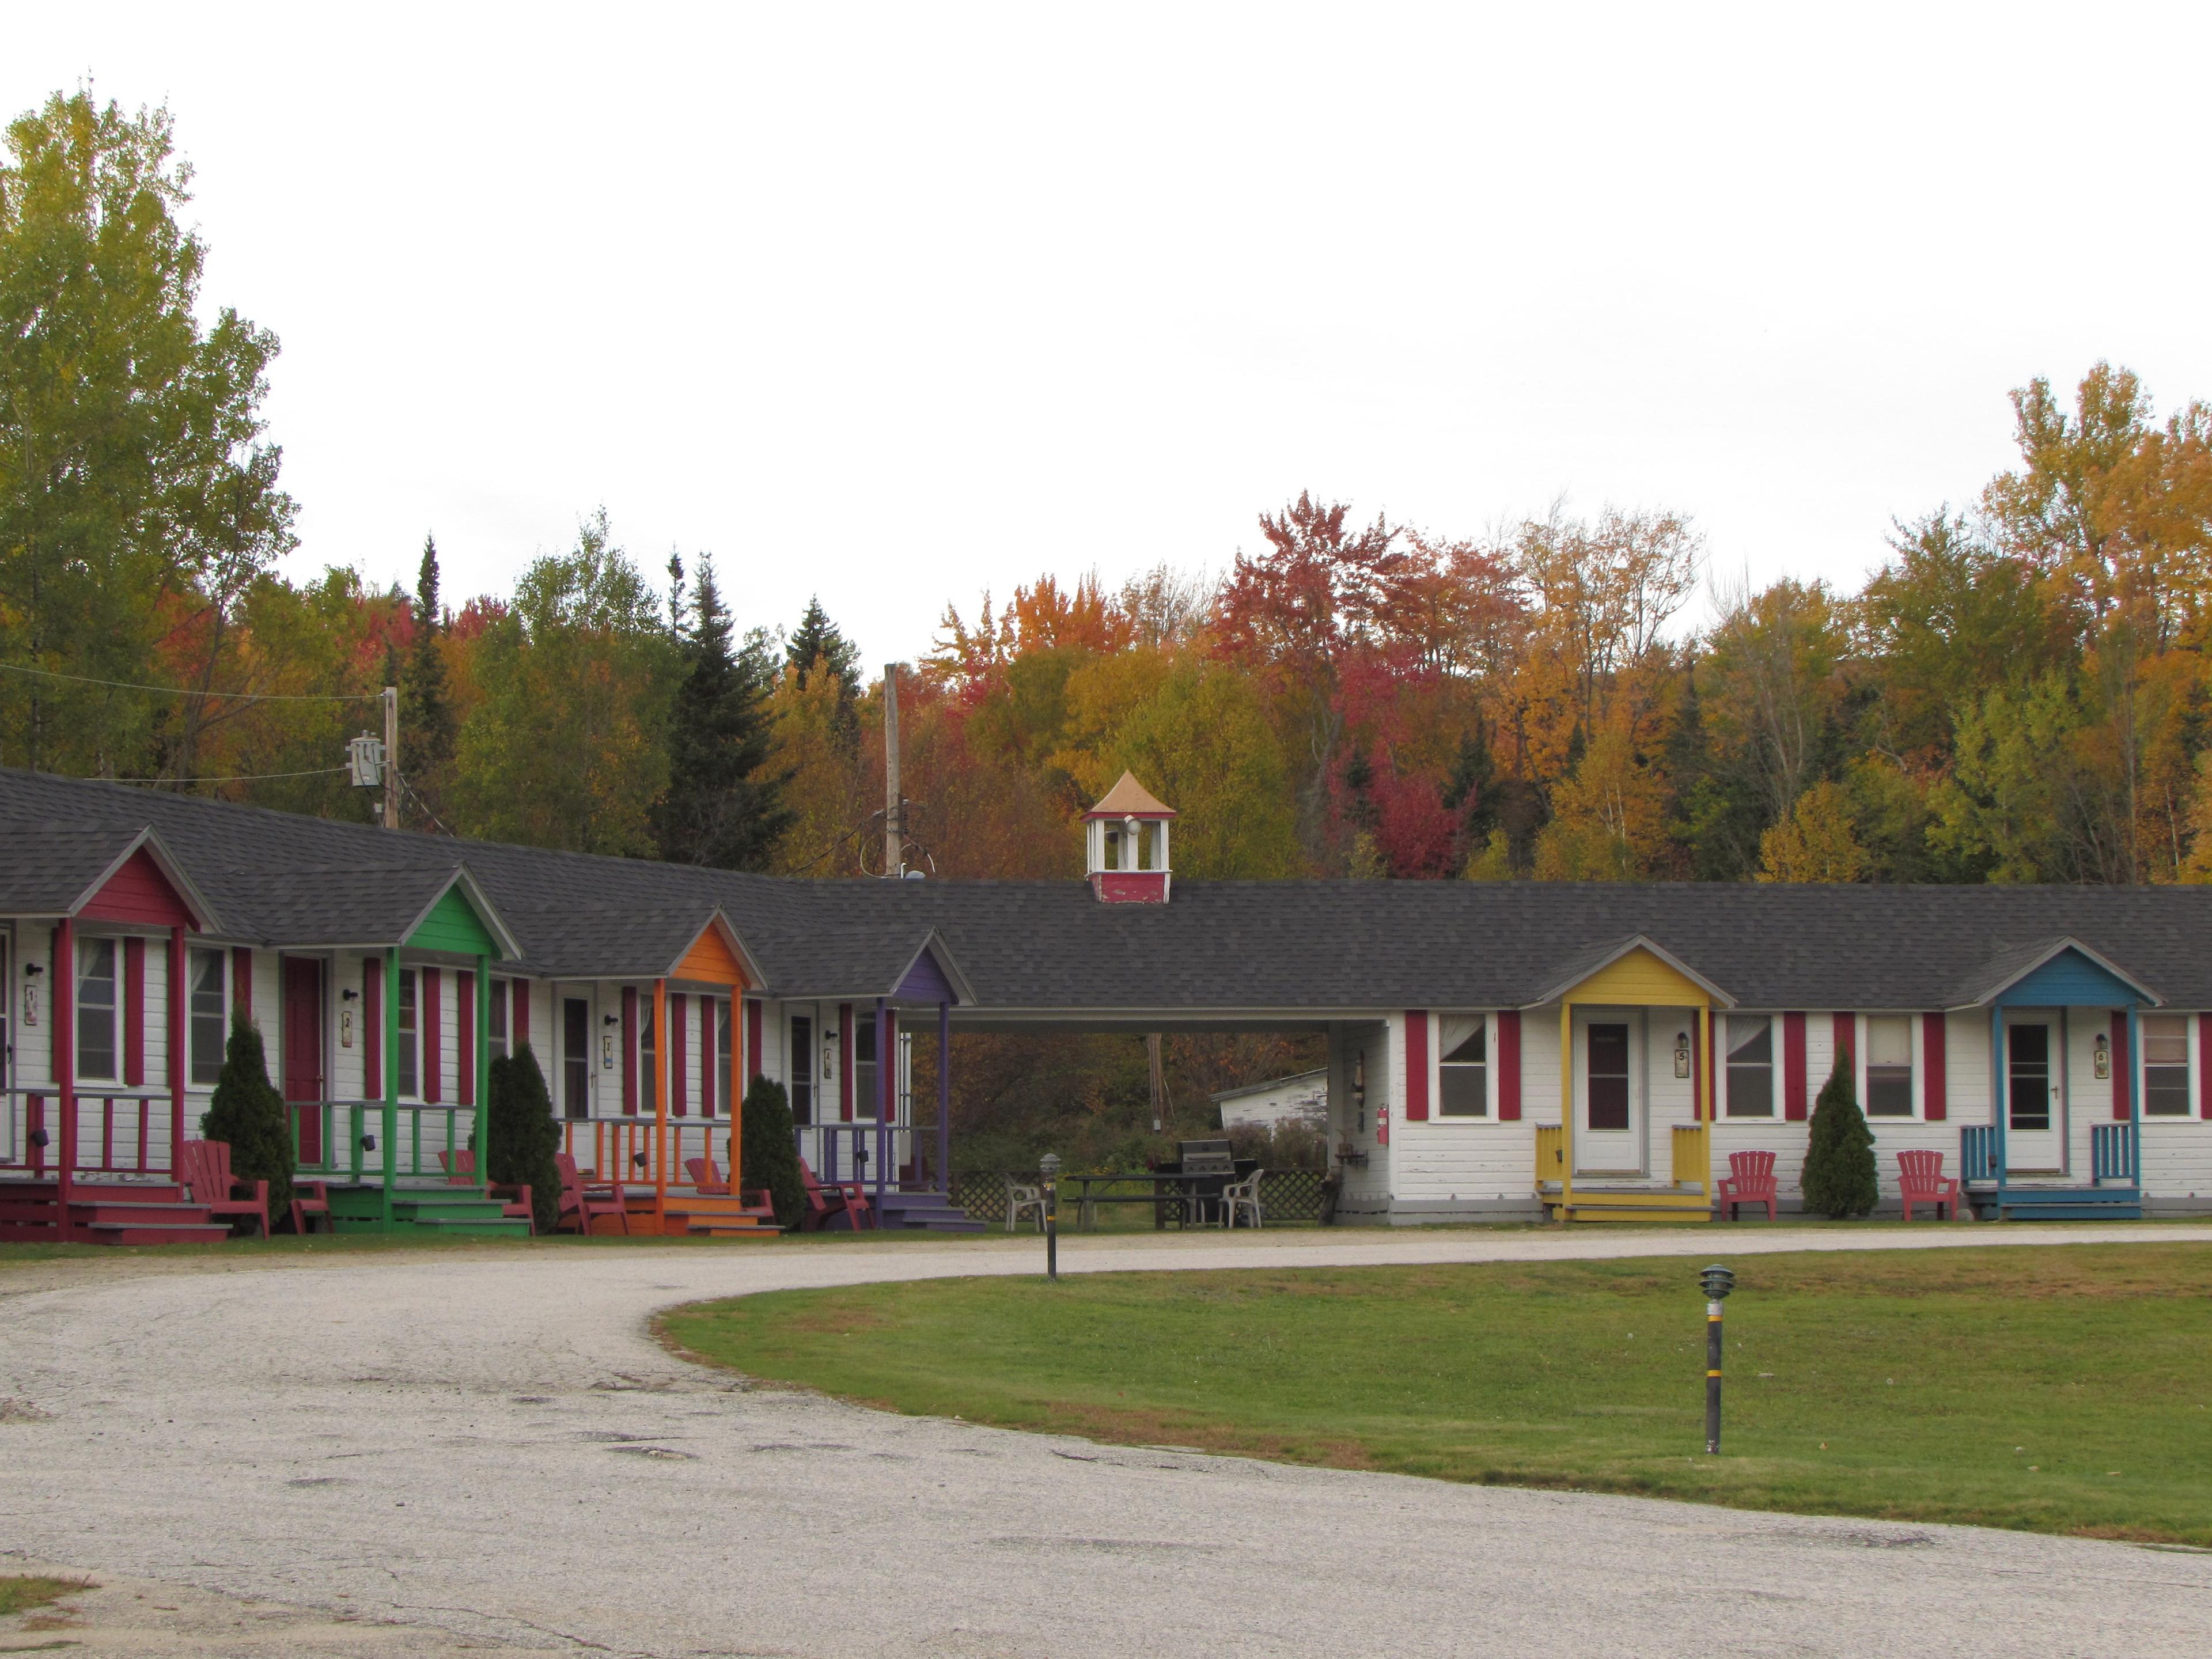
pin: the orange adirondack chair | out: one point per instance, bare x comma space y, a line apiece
311, 1199
1920, 1179
1750, 1179
827, 1200
206, 1166
707, 1177
582, 1202
513, 1196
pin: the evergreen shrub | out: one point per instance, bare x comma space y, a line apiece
1838, 1179
770, 1153
525, 1139
247, 1115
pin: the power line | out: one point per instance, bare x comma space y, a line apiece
187, 691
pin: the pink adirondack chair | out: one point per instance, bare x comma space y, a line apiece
707, 1177
1750, 1179
513, 1197
582, 1201
1920, 1179
207, 1172
311, 1199
827, 1200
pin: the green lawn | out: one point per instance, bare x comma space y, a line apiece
2059, 1389
23, 1592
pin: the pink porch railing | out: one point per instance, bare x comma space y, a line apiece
119, 1128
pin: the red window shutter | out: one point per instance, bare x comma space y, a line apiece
756, 1019
241, 980
1793, 1068
679, 1104
2123, 1067
1509, 1065
629, 1055
518, 1017
371, 1026
1935, 1033
845, 1061
134, 1012
1847, 1048
2204, 1066
464, 1030
429, 1022
1417, 1066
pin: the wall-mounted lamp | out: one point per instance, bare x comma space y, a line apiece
1681, 1054
348, 995
32, 969
2103, 1056
608, 1019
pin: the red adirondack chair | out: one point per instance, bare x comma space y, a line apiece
206, 1165
1920, 1179
1750, 1179
582, 1202
513, 1196
827, 1200
311, 1199
707, 1177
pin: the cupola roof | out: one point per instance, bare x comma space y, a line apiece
1129, 798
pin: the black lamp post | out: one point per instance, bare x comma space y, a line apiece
1716, 1282
1048, 1167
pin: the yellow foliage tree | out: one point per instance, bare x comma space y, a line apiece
1815, 842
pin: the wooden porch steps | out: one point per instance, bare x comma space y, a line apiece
105, 1212
1636, 1204
448, 1211
921, 1213
701, 1215
2011, 1201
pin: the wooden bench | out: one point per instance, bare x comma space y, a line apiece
707, 1178
1920, 1179
583, 1202
1750, 1179
827, 1200
311, 1199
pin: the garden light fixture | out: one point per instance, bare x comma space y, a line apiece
1048, 1167
1716, 1282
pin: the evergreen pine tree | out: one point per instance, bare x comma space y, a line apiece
769, 1154
818, 644
1472, 791
723, 807
1839, 1178
525, 1139
247, 1115
427, 730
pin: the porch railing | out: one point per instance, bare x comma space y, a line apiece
119, 1132
358, 1140
1551, 1153
2113, 1153
1977, 1152
1694, 1154
860, 1151
624, 1148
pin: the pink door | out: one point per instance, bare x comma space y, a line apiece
303, 1052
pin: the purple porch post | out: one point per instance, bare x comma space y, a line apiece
886, 1093
944, 1096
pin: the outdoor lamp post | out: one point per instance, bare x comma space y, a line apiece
1048, 1167
1716, 1282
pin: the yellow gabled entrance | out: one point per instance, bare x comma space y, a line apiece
1605, 1086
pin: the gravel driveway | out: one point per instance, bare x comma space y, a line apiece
483, 1452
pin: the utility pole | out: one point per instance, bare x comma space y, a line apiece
894, 829
391, 757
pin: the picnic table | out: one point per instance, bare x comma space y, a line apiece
1170, 1192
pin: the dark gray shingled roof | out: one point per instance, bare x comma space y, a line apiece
46, 867
1300, 948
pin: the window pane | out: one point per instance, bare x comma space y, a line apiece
1750, 1090
208, 1033
1752, 1039
2166, 1091
648, 1060
95, 1008
1475, 1050
1889, 1091
496, 1047
2166, 1040
1464, 1091
799, 1065
409, 1082
1889, 1041
724, 1056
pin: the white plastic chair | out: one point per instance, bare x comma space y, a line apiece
1021, 1197
1242, 1195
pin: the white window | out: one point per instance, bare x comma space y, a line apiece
496, 1046
410, 1072
210, 1028
1750, 1066
719, 1058
1889, 1065
866, 1101
1463, 1076
648, 1057
798, 1055
96, 1004
2166, 1089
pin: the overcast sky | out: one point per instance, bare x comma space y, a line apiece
900, 304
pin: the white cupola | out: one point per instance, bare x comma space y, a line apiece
1127, 844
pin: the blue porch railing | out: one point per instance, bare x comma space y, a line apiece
1977, 1152
2113, 1153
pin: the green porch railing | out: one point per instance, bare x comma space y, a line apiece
338, 1140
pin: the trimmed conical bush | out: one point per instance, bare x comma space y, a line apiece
1838, 1179
771, 1154
525, 1139
247, 1115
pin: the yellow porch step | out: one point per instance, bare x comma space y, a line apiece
1632, 1204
